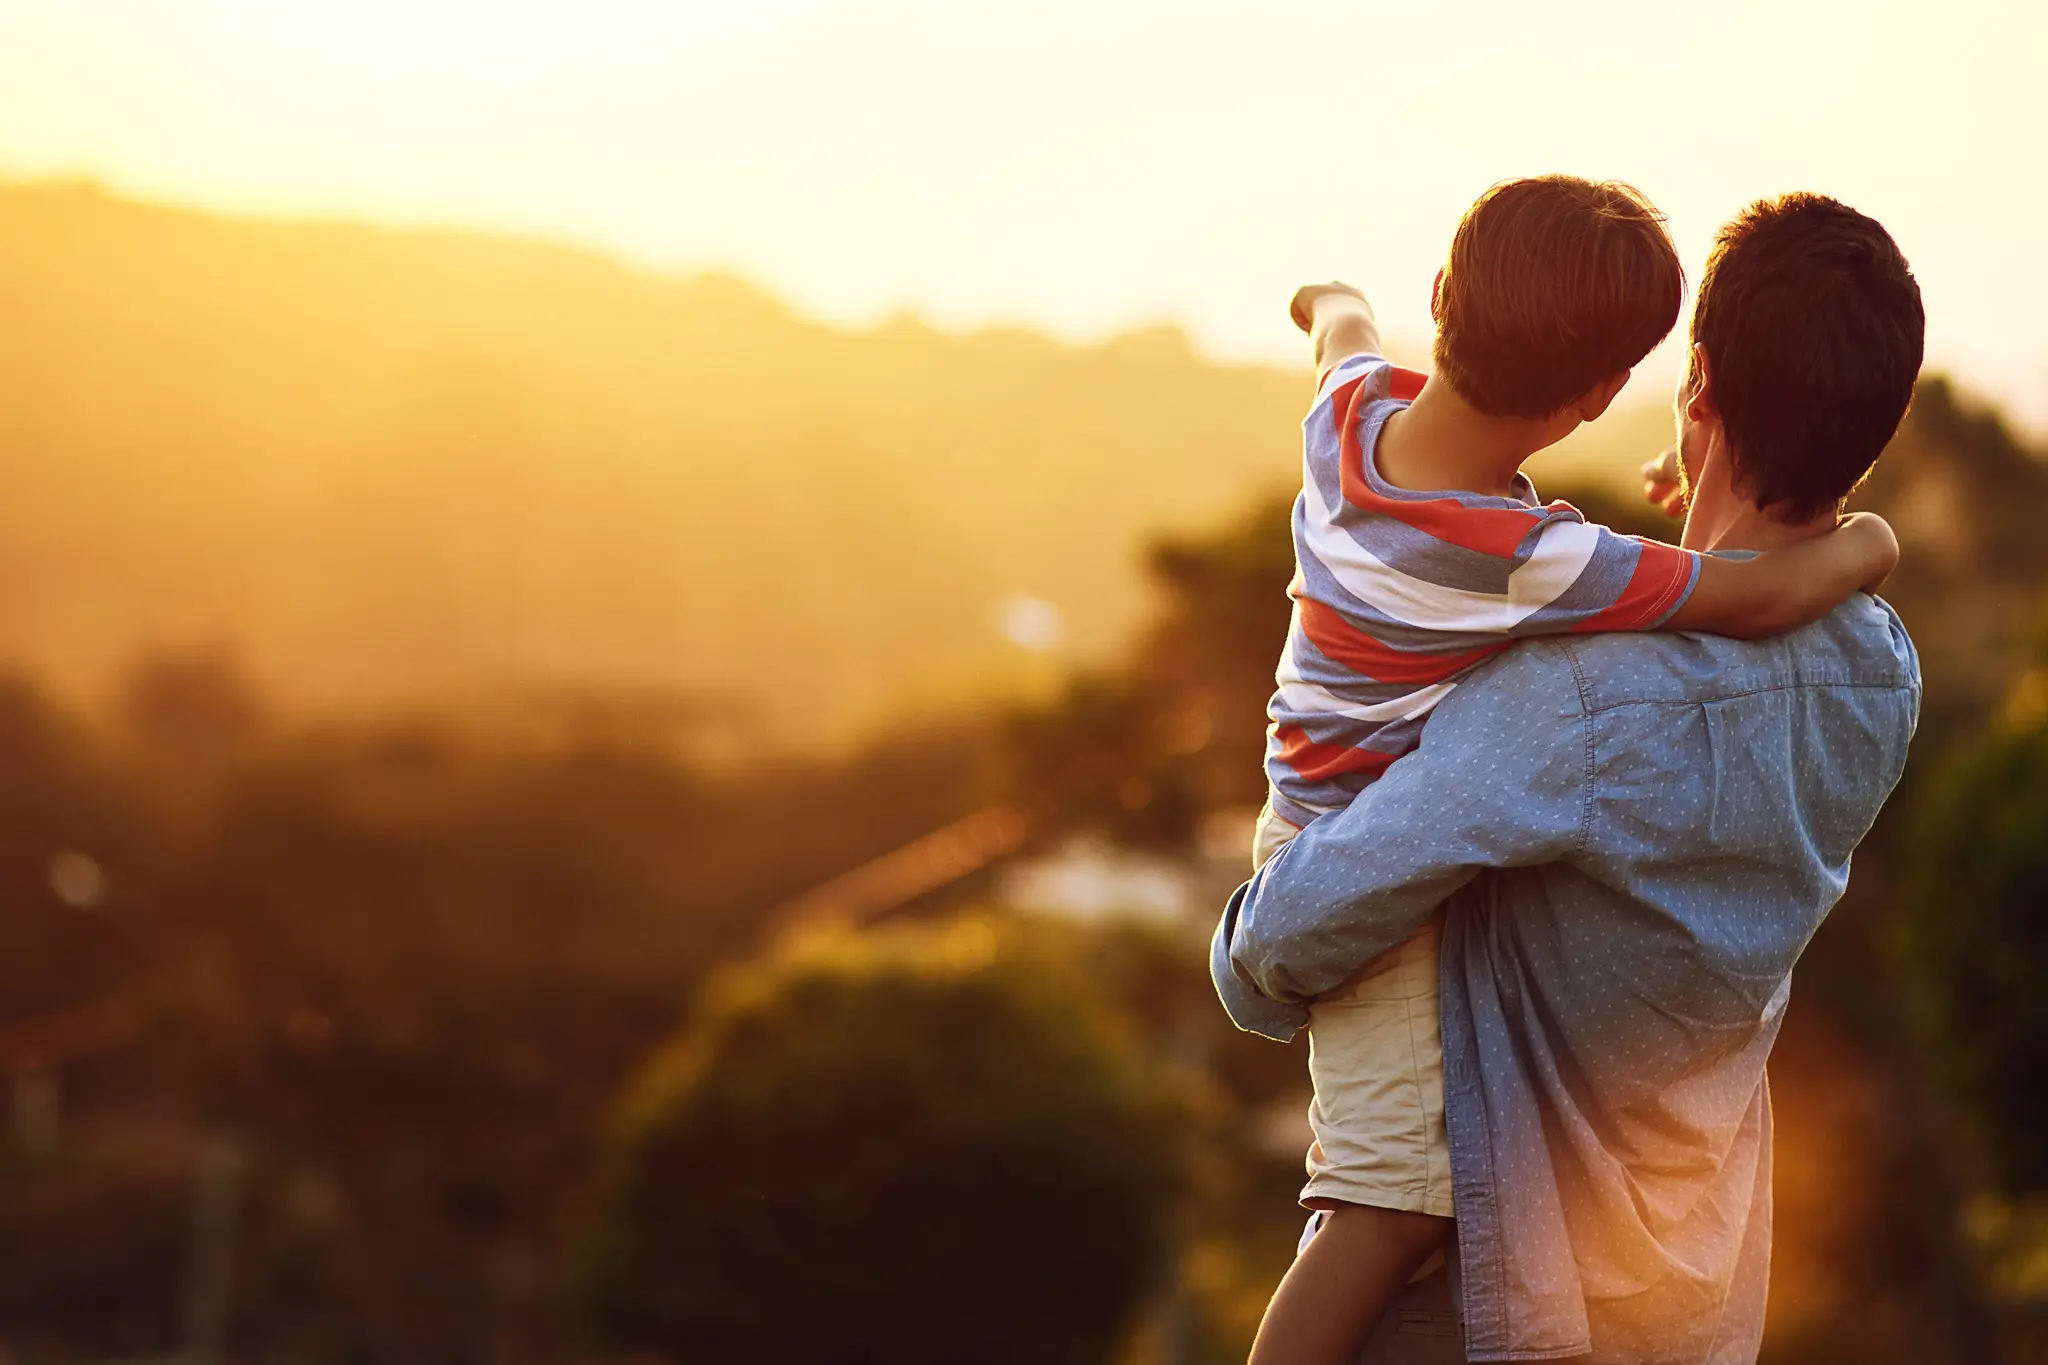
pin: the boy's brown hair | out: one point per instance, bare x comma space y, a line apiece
1554, 285
1813, 329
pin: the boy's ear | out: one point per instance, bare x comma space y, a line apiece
1436, 298
1598, 398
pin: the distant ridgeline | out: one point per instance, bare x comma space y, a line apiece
404, 464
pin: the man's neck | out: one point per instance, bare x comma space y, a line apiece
1722, 519
1442, 442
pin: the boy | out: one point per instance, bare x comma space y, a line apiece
1555, 289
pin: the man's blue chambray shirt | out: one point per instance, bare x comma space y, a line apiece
1669, 817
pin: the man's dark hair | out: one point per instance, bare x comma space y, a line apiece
1812, 327
1554, 284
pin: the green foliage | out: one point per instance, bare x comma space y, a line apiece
1991, 482
909, 1148
1978, 938
408, 959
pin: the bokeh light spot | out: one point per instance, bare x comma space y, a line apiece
77, 880
1031, 623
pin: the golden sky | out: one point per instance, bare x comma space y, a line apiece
1077, 165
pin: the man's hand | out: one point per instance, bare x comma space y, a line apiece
1663, 485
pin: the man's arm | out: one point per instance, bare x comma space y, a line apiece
1339, 323
1502, 779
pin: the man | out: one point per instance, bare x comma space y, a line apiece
1633, 837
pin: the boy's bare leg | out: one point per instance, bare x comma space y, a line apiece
1332, 1296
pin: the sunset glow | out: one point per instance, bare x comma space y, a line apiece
1076, 167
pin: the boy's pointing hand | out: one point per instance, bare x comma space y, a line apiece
1303, 307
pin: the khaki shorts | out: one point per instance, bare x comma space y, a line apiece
1376, 1060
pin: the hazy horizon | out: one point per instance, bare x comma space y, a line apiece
1078, 170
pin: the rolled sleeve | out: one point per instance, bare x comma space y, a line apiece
1248, 1009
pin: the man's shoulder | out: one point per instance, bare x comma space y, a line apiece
1861, 644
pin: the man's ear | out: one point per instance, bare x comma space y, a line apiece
1699, 402
1598, 398
1436, 298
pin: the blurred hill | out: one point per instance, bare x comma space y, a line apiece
409, 464
381, 463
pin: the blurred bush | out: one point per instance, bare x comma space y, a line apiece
1976, 892
907, 1147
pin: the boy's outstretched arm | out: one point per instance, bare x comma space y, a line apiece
1338, 321
1791, 586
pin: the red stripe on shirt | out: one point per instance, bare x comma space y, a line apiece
1661, 574
1404, 384
1320, 762
1497, 531
1343, 643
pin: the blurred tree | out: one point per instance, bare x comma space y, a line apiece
907, 1148
1144, 753
68, 835
1960, 486
191, 707
1976, 890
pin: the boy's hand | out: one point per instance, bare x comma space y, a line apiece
1339, 323
1303, 306
1875, 544
1662, 484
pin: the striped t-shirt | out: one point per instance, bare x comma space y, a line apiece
1398, 594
